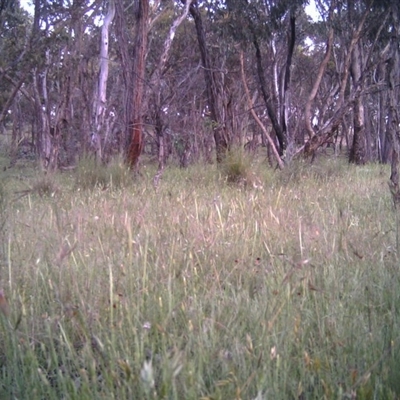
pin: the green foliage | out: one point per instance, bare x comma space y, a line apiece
200, 290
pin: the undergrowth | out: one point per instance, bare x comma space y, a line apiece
202, 288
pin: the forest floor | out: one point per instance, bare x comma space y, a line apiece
284, 285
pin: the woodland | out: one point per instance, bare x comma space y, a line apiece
185, 82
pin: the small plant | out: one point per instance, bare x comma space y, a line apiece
236, 168
45, 186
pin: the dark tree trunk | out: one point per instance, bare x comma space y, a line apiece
393, 79
357, 153
139, 64
220, 134
285, 104
122, 43
268, 103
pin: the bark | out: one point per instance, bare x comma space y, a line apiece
393, 82
139, 66
285, 103
42, 137
384, 143
220, 134
100, 103
122, 43
47, 140
357, 152
268, 103
358, 148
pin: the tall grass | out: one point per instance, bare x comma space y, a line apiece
204, 289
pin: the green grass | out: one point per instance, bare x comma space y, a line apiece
201, 288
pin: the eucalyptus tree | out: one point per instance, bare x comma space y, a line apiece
391, 69
138, 81
99, 125
155, 84
56, 84
177, 107
151, 99
220, 133
15, 30
274, 30
376, 45
356, 29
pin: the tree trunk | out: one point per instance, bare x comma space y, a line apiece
43, 143
268, 103
393, 120
139, 69
122, 43
285, 103
392, 79
358, 149
357, 153
100, 100
220, 134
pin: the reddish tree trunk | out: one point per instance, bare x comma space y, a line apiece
139, 64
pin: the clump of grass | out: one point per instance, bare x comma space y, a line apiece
120, 174
45, 185
322, 170
90, 173
237, 169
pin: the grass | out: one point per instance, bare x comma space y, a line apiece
201, 288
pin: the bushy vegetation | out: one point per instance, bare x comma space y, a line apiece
201, 288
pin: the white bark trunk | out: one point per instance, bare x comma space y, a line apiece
101, 93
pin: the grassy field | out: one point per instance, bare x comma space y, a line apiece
284, 288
